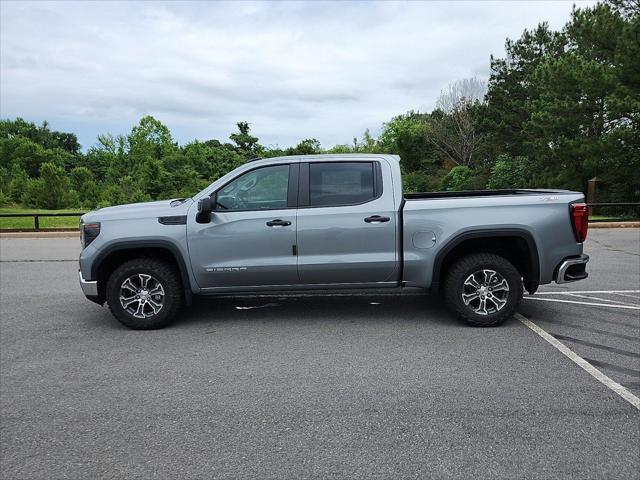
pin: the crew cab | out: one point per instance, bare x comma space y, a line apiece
328, 222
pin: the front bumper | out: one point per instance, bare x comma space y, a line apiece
89, 288
572, 269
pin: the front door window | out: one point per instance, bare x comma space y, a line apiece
260, 189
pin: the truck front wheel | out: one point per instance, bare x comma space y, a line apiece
144, 293
483, 289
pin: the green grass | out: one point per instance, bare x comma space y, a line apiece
26, 223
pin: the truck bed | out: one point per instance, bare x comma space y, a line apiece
433, 221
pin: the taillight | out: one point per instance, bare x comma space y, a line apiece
580, 219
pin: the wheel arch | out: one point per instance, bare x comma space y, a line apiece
116, 254
515, 244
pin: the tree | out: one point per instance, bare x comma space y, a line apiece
406, 135
186, 182
155, 180
417, 181
17, 184
52, 190
149, 140
246, 144
41, 135
626, 8
127, 190
310, 146
452, 129
570, 100
511, 88
510, 172
23, 152
82, 181
106, 158
462, 177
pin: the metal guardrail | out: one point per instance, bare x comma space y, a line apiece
36, 216
630, 210
637, 204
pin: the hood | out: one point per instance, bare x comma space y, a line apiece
159, 208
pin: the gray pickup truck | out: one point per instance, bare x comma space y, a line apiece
328, 222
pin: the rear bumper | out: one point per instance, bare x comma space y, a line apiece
572, 269
89, 288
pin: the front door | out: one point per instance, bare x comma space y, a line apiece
250, 239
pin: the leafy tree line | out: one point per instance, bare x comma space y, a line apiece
560, 108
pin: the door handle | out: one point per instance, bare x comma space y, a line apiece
278, 223
376, 219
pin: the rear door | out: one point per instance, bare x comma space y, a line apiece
346, 223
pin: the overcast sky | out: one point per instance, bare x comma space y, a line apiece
293, 70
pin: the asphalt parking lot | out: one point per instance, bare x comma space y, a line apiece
335, 386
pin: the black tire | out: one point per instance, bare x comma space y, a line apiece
163, 273
454, 287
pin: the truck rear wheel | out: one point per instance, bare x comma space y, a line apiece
144, 293
483, 289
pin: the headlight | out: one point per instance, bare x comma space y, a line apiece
88, 233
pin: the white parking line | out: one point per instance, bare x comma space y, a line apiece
637, 297
589, 297
590, 291
581, 362
557, 300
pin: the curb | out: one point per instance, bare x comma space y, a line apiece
67, 234
614, 224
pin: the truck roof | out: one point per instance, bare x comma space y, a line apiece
332, 156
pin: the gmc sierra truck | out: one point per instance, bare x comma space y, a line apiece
327, 222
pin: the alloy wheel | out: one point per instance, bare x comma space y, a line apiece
485, 292
142, 295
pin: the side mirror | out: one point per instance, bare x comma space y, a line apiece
205, 207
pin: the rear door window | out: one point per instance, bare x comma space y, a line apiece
341, 183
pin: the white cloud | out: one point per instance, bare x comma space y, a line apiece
293, 70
